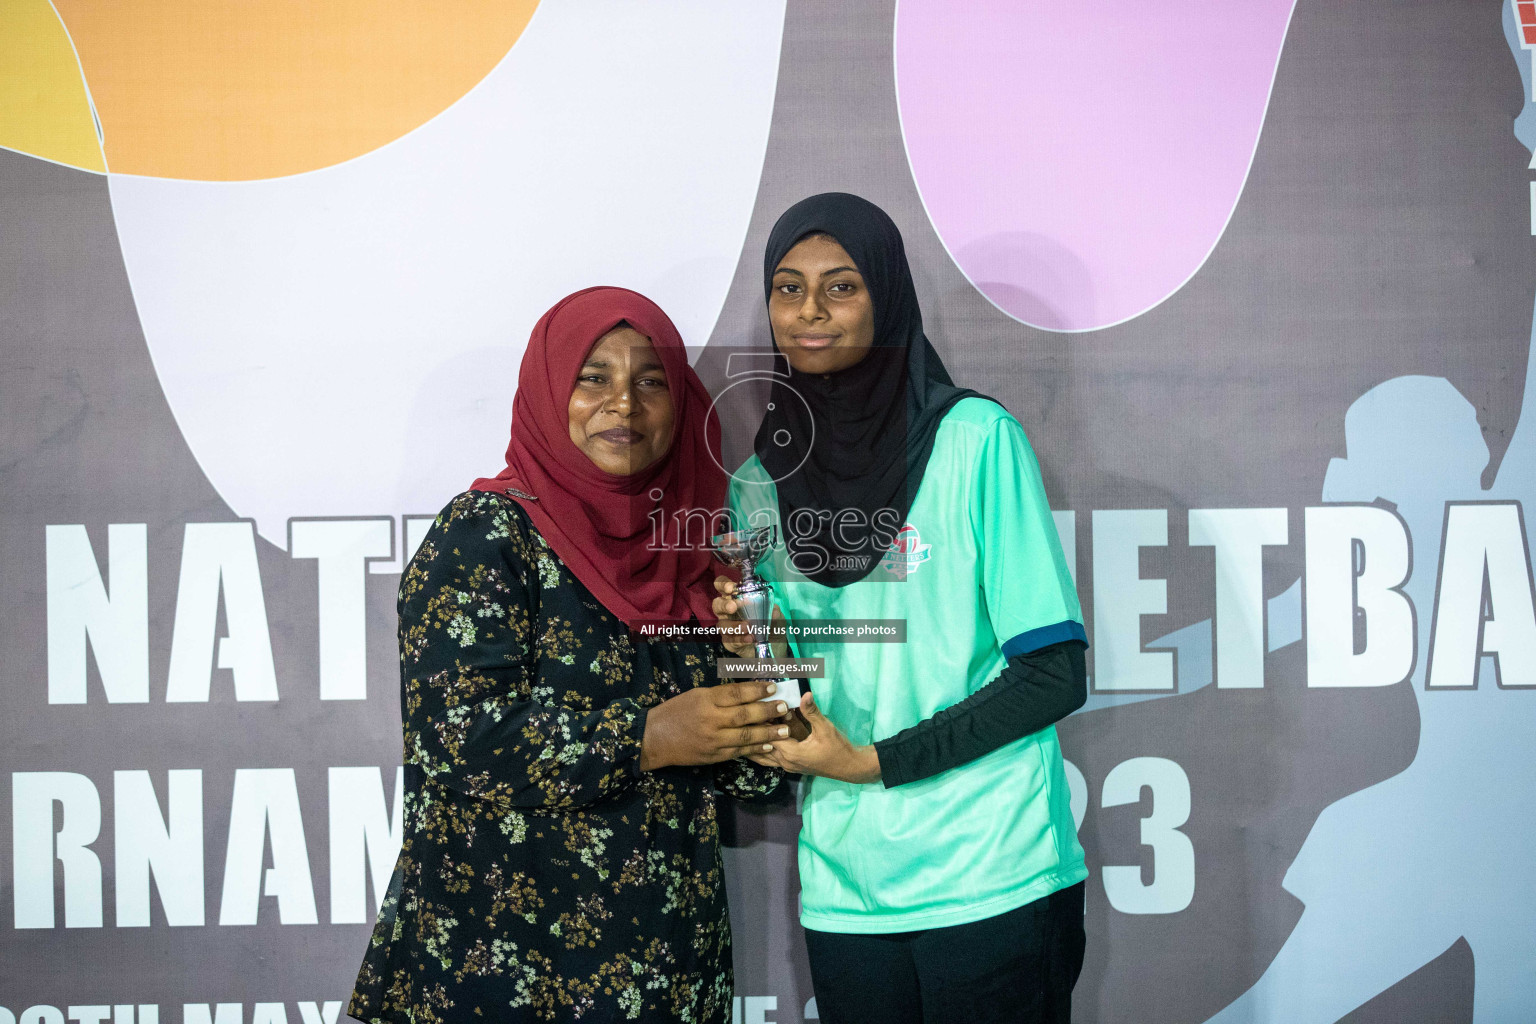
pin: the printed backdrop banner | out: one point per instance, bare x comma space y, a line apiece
1256, 278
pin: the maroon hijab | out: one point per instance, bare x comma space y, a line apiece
601, 525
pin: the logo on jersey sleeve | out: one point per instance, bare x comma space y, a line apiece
906, 553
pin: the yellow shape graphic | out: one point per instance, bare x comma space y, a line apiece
227, 90
44, 108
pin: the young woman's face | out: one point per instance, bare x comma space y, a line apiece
621, 411
823, 318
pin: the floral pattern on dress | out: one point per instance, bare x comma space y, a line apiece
543, 876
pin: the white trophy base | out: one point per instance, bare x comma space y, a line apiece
788, 692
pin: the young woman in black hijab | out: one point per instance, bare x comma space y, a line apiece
941, 877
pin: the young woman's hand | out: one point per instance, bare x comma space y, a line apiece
824, 751
712, 723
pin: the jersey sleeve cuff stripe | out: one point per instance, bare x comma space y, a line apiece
1034, 639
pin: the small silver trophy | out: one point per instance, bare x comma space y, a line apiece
743, 549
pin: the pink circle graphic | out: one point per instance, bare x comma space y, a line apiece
1080, 161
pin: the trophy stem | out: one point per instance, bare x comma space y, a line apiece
755, 597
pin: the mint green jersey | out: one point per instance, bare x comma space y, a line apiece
978, 574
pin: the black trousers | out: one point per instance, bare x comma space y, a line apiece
1015, 968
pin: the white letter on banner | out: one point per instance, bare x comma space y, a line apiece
34, 848
364, 833
343, 549
42, 1015
1173, 863
1239, 536
1357, 557
315, 1013
1121, 597
213, 554
170, 847
197, 1013
269, 1013
757, 1007
1484, 553
90, 1014
79, 608
266, 798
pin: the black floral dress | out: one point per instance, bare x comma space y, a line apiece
543, 876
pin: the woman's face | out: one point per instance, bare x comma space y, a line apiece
621, 410
823, 318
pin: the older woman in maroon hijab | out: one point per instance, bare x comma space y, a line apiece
561, 858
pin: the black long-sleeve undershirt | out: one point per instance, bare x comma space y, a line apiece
1032, 691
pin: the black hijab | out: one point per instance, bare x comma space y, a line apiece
862, 437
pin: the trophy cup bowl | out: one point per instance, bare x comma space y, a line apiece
743, 549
